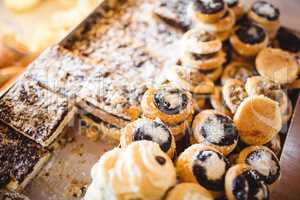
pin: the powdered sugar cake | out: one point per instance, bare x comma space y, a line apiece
20, 158
34, 111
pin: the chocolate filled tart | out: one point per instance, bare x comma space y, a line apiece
251, 33
266, 10
20, 158
209, 6
35, 112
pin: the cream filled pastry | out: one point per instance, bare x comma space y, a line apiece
189, 191
263, 160
215, 129
242, 182
141, 171
146, 129
204, 165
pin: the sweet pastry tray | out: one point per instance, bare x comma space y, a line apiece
116, 29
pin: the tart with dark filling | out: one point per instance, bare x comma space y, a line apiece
249, 39
215, 129
263, 160
242, 182
146, 129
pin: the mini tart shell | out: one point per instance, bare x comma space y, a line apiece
184, 164
238, 10
152, 112
191, 43
204, 86
258, 120
224, 24
205, 64
209, 18
247, 50
199, 119
245, 152
126, 138
217, 102
230, 70
179, 192
277, 65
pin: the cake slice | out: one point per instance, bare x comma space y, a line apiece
35, 112
20, 158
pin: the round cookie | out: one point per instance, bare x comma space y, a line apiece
242, 182
277, 65
266, 15
236, 7
258, 120
237, 70
249, 39
190, 79
217, 102
204, 165
263, 160
207, 10
201, 42
215, 129
171, 105
146, 129
190, 191
234, 93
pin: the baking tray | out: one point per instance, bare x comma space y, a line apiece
68, 172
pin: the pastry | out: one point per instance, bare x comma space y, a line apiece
217, 102
21, 6
190, 191
258, 120
242, 182
234, 93
215, 129
277, 65
237, 70
263, 160
21, 159
204, 165
191, 80
249, 39
275, 145
13, 196
213, 74
224, 35
112, 176
200, 101
35, 112
201, 42
207, 10
266, 15
288, 41
203, 61
236, 6
171, 105
145, 129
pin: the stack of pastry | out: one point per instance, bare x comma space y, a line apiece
213, 16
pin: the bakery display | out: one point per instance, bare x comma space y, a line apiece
182, 90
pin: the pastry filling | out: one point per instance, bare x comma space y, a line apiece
232, 3
210, 168
249, 185
266, 10
170, 101
153, 131
208, 6
236, 95
251, 34
219, 130
288, 41
266, 164
203, 57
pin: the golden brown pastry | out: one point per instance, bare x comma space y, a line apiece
215, 129
207, 10
213, 74
204, 165
234, 93
249, 39
266, 15
258, 120
275, 145
263, 160
242, 182
277, 65
237, 70
189, 191
236, 6
146, 129
217, 102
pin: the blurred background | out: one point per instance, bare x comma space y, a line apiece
27, 27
